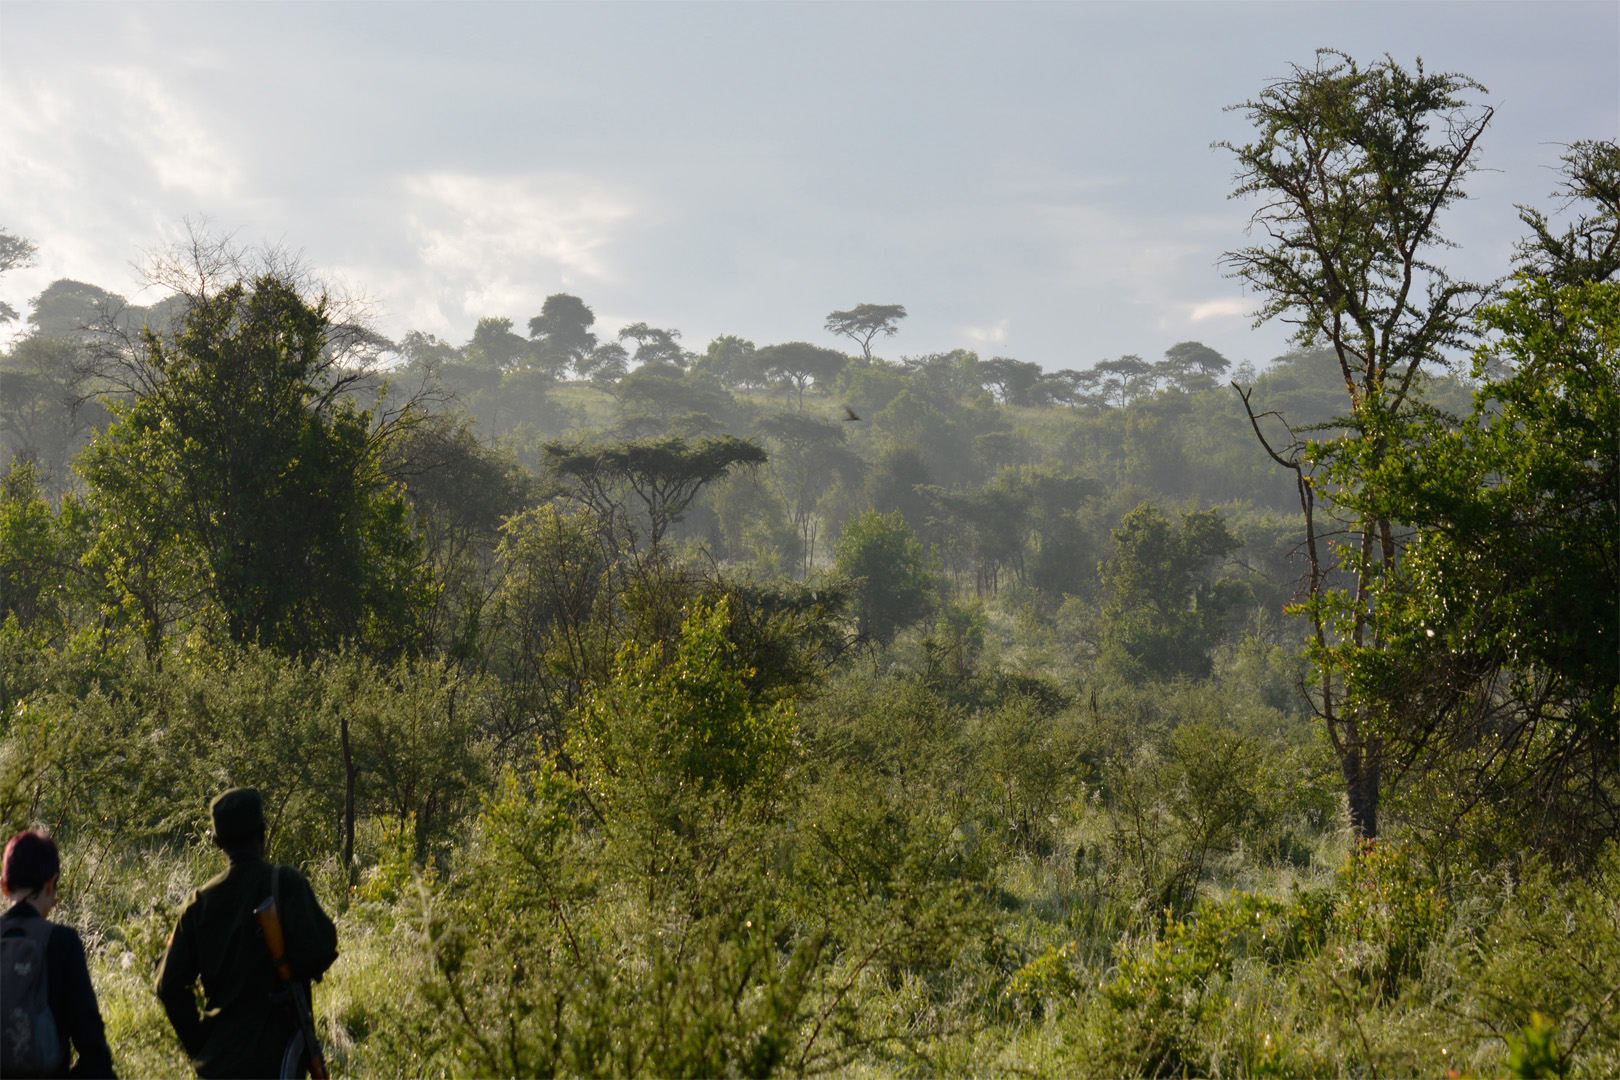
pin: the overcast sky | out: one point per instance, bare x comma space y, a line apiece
1029, 180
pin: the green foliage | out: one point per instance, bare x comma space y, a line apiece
494, 346
242, 474
134, 755
731, 360
887, 572
1165, 611
808, 457
657, 477
799, 364
1391, 910
1353, 167
459, 493
46, 407
1553, 949
684, 720
659, 399
1163, 994
756, 526
1355, 164
37, 557
1496, 669
1588, 250
1534, 1053
669, 908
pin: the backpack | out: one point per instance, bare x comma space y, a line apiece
29, 1043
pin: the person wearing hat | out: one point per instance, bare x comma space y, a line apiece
29, 876
247, 1024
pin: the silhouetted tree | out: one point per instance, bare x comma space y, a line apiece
15, 253
886, 571
864, 322
1191, 366
732, 360
798, 364
1015, 380
655, 346
562, 332
663, 476
493, 346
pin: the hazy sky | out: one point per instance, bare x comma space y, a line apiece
1029, 180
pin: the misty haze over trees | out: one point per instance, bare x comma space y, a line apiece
648, 707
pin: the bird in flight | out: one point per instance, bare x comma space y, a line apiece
849, 414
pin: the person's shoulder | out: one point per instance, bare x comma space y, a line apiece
293, 879
213, 883
65, 940
198, 900
291, 873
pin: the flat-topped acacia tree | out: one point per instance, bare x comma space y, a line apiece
662, 475
863, 322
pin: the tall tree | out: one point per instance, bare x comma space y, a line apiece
1124, 379
661, 476
1015, 380
604, 365
1191, 366
562, 332
426, 351
47, 405
493, 346
15, 253
887, 571
731, 359
245, 474
1589, 247
810, 458
987, 524
1499, 682
799, 363
1165, 609
1353, 167
1494, 674
864, 322
655, 346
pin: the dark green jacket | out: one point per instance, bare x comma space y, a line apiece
245, 1027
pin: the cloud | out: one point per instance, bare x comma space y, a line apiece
987, 335
173, 138
1220, 309
1139, 255
490, 239
100, 162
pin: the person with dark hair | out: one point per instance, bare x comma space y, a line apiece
47, 1003
249, 1028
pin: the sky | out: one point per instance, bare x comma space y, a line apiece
1029, 180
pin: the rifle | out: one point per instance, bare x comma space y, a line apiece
270, 922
